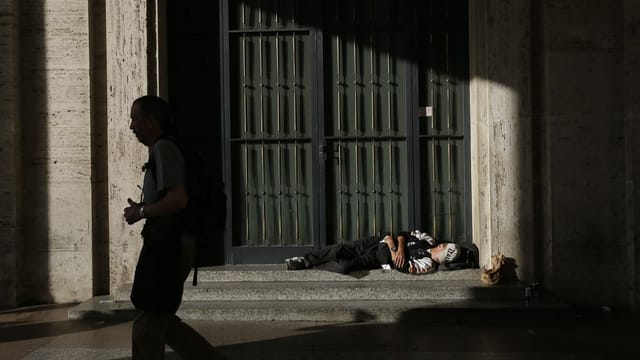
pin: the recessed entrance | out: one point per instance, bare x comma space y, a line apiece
340, 119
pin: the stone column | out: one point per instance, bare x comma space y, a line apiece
127, 78
500, 110
55, 108
55, 101
9, 153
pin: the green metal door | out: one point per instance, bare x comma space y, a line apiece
443, 186
270, 132
366, 119
324, 142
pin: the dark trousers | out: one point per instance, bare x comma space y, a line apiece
152, 330
363, 254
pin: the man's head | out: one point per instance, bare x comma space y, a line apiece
445, 253
150, 118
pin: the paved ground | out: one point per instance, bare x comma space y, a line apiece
45, 333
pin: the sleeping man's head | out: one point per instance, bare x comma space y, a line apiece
445, 253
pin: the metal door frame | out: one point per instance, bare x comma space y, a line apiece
234, 255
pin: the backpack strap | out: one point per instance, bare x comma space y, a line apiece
468, 259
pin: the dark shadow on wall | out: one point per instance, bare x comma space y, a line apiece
194, 85
509, 273
539, 129
33, 250
581, 148
99, 148
10, 155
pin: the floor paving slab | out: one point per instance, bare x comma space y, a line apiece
463, 333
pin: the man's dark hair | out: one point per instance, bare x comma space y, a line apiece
157, 107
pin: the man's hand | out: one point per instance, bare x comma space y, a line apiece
397, 252
132, 212
401, 253
173, 202
398, 258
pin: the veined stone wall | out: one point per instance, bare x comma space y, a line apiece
56, 249
554, 150
500, 110
71, 110
10, 177
127, 78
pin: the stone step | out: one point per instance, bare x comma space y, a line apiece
102, 308
341, 290
234, 273
270, 292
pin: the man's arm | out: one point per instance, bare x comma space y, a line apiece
173, 202
400, 257
391, 243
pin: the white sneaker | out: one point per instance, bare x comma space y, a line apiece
296, 263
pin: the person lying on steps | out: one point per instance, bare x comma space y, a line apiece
415, 253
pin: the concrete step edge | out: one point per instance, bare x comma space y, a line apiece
395, 284
263, 291
279, 273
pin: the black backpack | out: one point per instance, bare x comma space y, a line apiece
206, 212
468, 259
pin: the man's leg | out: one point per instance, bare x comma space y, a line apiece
148, 336
182, 338
346, 257
339, 252
367, 256
321, 256
364, 246
188, 343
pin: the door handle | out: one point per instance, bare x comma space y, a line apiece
425, 111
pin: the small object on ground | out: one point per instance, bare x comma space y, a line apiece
493, 275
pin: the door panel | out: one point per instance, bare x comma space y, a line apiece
275, 183
366, 132
270, 126
442, 59
366, 117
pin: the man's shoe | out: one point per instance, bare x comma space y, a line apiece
296, 263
